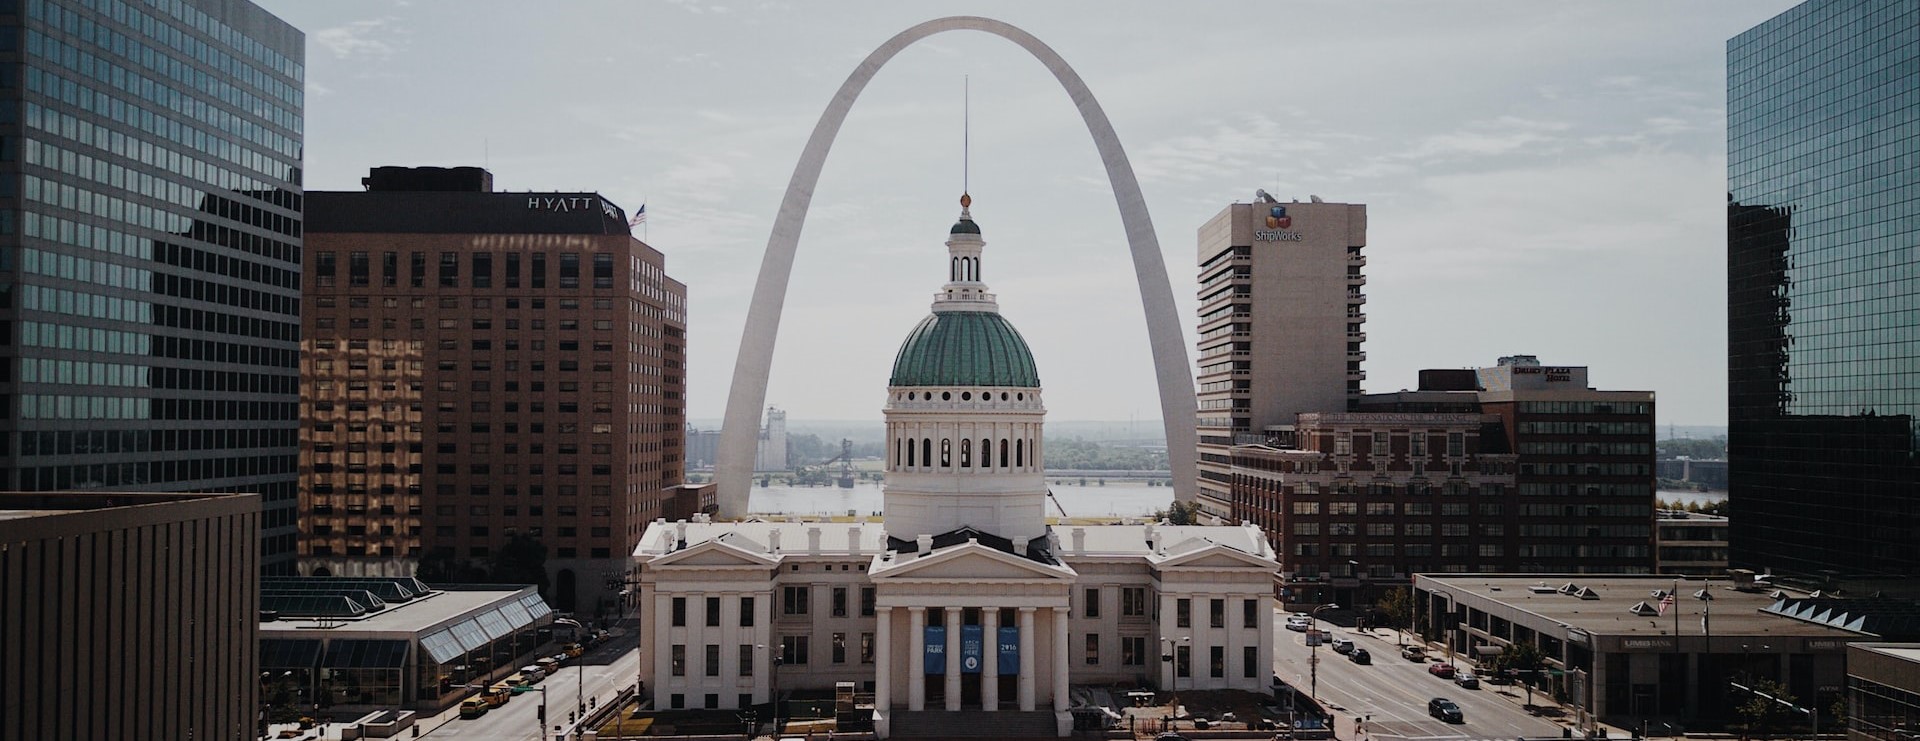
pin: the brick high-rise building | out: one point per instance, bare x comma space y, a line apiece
1515, 468
1280, 325
150, 284
484, 370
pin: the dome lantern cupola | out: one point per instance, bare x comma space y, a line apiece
964, 413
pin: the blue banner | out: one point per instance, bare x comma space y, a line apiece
972, 647
1009, 651
936, 654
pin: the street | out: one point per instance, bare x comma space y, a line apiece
610, 667
1394, 692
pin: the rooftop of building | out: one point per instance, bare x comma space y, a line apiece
865, 539
965, 348
30, 515
430, 611
1908, 652
457, 200
1608, 607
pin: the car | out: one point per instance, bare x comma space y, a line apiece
1445, 710
497, 695
1297, 624
574, 650
1440, 669
473, 707
548, 665
1360, 656
1413, 653
533, 673
1342, 645
1466, 680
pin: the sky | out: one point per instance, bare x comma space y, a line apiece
1543, 178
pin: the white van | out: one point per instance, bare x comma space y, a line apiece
533, 672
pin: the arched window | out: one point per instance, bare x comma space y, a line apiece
1019, 453
896, 452
946, 453
953, 271
966, 452
1003, 452
910, 447
926, 451
986, 453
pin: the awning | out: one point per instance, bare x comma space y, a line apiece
365, 654
443, 647
1489, 650
288, 653
494, 624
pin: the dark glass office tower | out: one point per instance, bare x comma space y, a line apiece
150, 250
1823, 293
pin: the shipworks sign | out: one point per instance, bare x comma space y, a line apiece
1278, 222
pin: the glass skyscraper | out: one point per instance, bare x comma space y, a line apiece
150, 224
1823, 292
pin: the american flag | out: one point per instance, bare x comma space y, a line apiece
639, 216
1666, 602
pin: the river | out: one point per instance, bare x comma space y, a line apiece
1115, 499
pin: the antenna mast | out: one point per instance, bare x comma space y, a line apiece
966, 131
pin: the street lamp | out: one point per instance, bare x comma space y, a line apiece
1313, 662
580, 679
774, 661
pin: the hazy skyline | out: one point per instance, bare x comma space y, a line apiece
1542, 178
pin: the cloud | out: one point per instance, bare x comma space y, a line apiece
357, 39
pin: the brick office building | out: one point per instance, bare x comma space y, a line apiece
479, 367
1515, 468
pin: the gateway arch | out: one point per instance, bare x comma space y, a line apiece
733, 469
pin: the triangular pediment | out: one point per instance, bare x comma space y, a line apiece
969, 562
716, 553
1200, 553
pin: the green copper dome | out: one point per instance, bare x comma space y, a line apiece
964, 226
965, 348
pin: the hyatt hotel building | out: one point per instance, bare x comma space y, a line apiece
481, 372
150, 235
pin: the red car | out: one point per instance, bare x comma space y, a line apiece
1440, 669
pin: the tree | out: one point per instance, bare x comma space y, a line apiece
1180, 513
1397, 604
1524, 660
1765, 706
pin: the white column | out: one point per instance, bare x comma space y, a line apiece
990, 659
1026, 659
662, 645
883, 660
953, 657
1060, 659
763, 681
1266, 637
1232, 658
916, 658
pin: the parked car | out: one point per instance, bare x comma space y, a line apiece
1299, 624
1342, 645
1466, 680
1445, 710
533, 673
1413, 653
1440, 669
1360, 656
473, 707
517, 683
496, 695
549, 665
574, 650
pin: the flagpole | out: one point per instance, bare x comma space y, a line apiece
1675, 597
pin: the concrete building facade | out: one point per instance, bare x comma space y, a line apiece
153, 254
486, 370
1281, 325
129, 615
